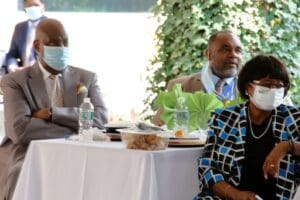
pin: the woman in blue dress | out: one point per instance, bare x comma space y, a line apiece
235, 162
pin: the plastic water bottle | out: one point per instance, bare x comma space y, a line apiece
86, 115
181, 118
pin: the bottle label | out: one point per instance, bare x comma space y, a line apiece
86, 115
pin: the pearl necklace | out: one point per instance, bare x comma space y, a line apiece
251, 130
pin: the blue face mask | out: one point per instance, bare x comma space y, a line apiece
56, 57
34, 12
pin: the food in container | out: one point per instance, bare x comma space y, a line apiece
137, 139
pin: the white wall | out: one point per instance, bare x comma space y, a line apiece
8, 11
117, 46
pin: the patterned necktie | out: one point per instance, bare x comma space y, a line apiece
219, 86
56, 96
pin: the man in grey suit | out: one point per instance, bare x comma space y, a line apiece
42, 101
224, 54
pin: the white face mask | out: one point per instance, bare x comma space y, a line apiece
34, 12
266, 98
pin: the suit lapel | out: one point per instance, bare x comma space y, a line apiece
37, 87
23, 39
70, 79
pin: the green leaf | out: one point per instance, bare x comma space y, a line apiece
238, 100
200, 105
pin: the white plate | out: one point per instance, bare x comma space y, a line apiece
121, 124
185, 142
134, 131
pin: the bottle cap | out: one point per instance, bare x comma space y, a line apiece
86, 99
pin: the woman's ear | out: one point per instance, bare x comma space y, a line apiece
286, 90
249, 89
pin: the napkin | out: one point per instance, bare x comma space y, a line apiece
201, 134
93, 134
145, 126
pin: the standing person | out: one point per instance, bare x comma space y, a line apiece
224, 54
42, 101
241, 137
21, 52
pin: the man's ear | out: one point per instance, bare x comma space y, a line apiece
207, 54
36, 45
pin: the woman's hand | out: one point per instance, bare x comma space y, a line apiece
236, 194
271, 164
229, 192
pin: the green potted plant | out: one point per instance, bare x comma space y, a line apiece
199, 104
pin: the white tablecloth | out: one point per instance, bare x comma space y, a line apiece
68, 170
297, 195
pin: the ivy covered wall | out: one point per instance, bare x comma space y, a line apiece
264, 26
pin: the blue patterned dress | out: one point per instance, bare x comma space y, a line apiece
224, 152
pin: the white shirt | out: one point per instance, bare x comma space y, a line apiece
209, 81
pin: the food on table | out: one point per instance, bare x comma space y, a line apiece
145, 141
179, 133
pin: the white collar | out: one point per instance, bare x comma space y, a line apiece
33, 23
215, 79
209, 80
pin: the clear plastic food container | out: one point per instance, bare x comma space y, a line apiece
150, 141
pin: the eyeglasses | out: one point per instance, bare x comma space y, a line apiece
269, 84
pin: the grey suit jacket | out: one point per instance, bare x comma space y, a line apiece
24, 92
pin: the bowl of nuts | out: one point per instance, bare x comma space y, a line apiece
144, 140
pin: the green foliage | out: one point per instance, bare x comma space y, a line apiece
200, 105
237, 100
168, 101
264, 26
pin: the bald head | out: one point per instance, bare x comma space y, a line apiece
215, 35
49, 33
51, 30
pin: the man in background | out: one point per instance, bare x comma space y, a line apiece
218, 76
21, 52
42, 101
